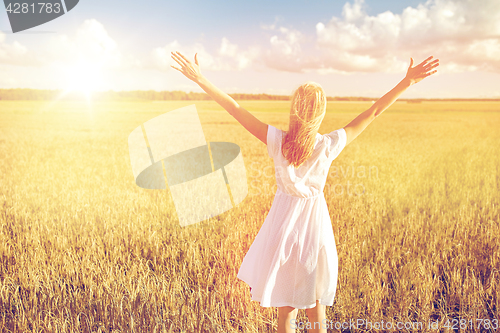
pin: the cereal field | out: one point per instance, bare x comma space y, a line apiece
414, 203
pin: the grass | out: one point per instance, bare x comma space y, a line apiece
414, 203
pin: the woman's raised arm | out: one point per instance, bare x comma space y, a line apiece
413, 75
245, 118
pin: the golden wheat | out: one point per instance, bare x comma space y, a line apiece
414, 203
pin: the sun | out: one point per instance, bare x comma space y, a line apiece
84, 77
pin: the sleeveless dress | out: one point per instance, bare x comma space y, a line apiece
293, 259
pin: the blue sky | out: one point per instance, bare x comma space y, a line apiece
351, 47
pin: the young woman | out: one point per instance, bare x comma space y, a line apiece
292, 263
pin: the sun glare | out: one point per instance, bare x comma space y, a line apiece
85, 78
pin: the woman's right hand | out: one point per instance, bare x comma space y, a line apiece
190, 70
421, 71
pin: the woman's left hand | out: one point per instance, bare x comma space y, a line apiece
422, 70
190, 70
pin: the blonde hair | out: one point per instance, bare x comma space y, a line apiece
306, 114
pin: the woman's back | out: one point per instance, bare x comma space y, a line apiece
309, 179
293, 260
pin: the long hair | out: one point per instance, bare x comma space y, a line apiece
306, 114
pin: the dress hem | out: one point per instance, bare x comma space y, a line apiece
280, 304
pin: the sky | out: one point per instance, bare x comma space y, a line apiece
352, 48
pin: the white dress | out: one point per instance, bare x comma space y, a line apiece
293, 259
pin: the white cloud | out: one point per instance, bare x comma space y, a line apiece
161, 57
227, 48
289, 45
235, 57
81, 60
285, 50
352, 12
14, 53
463, 34
229, 56
91, 43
